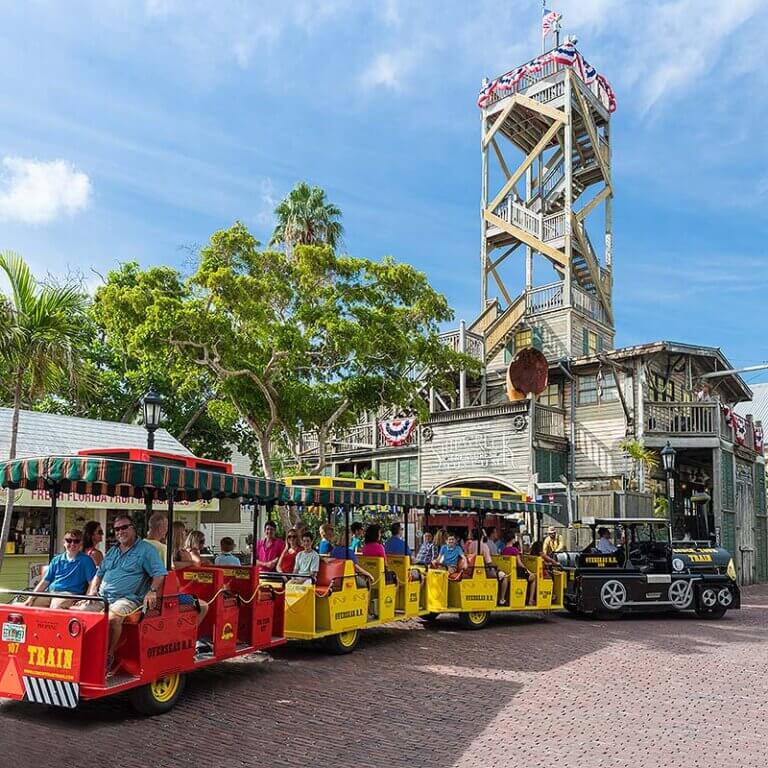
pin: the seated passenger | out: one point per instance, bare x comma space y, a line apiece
93, 535
307, 562
68, 573
427, 551
604, 545
395, 544
189, 554
345, 553
158, 530
373, 546
357, 529
512, 549
451, 556
128, 578
482, 546
538, 549
227, 556
326, 539
269, 548
287, 559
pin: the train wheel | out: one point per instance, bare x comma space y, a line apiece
344, 642
160, 696
474, 619
708, 607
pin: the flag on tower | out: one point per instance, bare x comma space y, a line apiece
549, 21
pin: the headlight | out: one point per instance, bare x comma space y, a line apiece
731, 570
678, 564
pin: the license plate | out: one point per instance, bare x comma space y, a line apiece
14, 633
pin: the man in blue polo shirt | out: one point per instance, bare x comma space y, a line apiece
395, 545
70, 572
129, 576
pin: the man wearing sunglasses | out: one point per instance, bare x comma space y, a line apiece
69, 573
129, 576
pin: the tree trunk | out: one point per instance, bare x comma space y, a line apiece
5, 530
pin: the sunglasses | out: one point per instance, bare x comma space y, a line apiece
292, 536
72, 541
123, 527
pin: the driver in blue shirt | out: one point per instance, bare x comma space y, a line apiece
129, 577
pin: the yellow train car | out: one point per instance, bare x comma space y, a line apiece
482, 493
339, 483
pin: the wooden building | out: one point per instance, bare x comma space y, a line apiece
546, 195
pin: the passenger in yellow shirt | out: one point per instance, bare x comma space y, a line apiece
552, 543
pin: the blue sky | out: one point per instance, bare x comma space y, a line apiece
132, 130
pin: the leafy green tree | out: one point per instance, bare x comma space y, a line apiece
42, 333
305, 217
294, 341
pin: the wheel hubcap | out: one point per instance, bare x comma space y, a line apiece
681, 594
165, 688
348, 638
613, 594
477, 617
708, 598
725, 597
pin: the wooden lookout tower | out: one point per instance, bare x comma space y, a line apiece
546, 198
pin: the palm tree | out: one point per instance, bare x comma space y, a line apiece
42, 329
305, 217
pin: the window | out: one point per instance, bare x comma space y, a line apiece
551, 396
592, 342
400, 473
607, 387
523, 339
598, 388
662, 390
587, 390
550, 465
509, 352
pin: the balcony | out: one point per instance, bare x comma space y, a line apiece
690, 419
694, 420
472, 344
555, 89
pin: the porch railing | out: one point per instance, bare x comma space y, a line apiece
550, 420
474, 345
682, 418
543, 299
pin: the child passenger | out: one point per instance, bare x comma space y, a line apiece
227, 556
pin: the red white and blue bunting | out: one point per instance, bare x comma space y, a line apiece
397, 431
566, 55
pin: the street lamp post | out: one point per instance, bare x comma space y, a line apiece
153, 414
668, 454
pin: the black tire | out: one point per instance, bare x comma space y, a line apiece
430, 618
160, 696
343, 642
571, 608
711, 613
474, 619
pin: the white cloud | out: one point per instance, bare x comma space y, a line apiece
387, 71
33, 191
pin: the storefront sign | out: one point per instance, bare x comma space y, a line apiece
24, 498
476, 451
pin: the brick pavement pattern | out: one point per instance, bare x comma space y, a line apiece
525, 691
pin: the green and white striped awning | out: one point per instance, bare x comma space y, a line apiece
502, 506
356, 498
113, 477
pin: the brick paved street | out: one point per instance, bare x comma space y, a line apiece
525, 691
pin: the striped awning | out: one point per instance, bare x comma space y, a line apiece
136, 479
503, 506
357, 498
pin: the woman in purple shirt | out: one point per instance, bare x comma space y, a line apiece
373, 546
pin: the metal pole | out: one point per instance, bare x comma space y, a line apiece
255, 529
54, 515
346, 531
169, 542
150, 439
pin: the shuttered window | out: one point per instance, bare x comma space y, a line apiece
759, 488
550, 465
726, 473
400, 473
